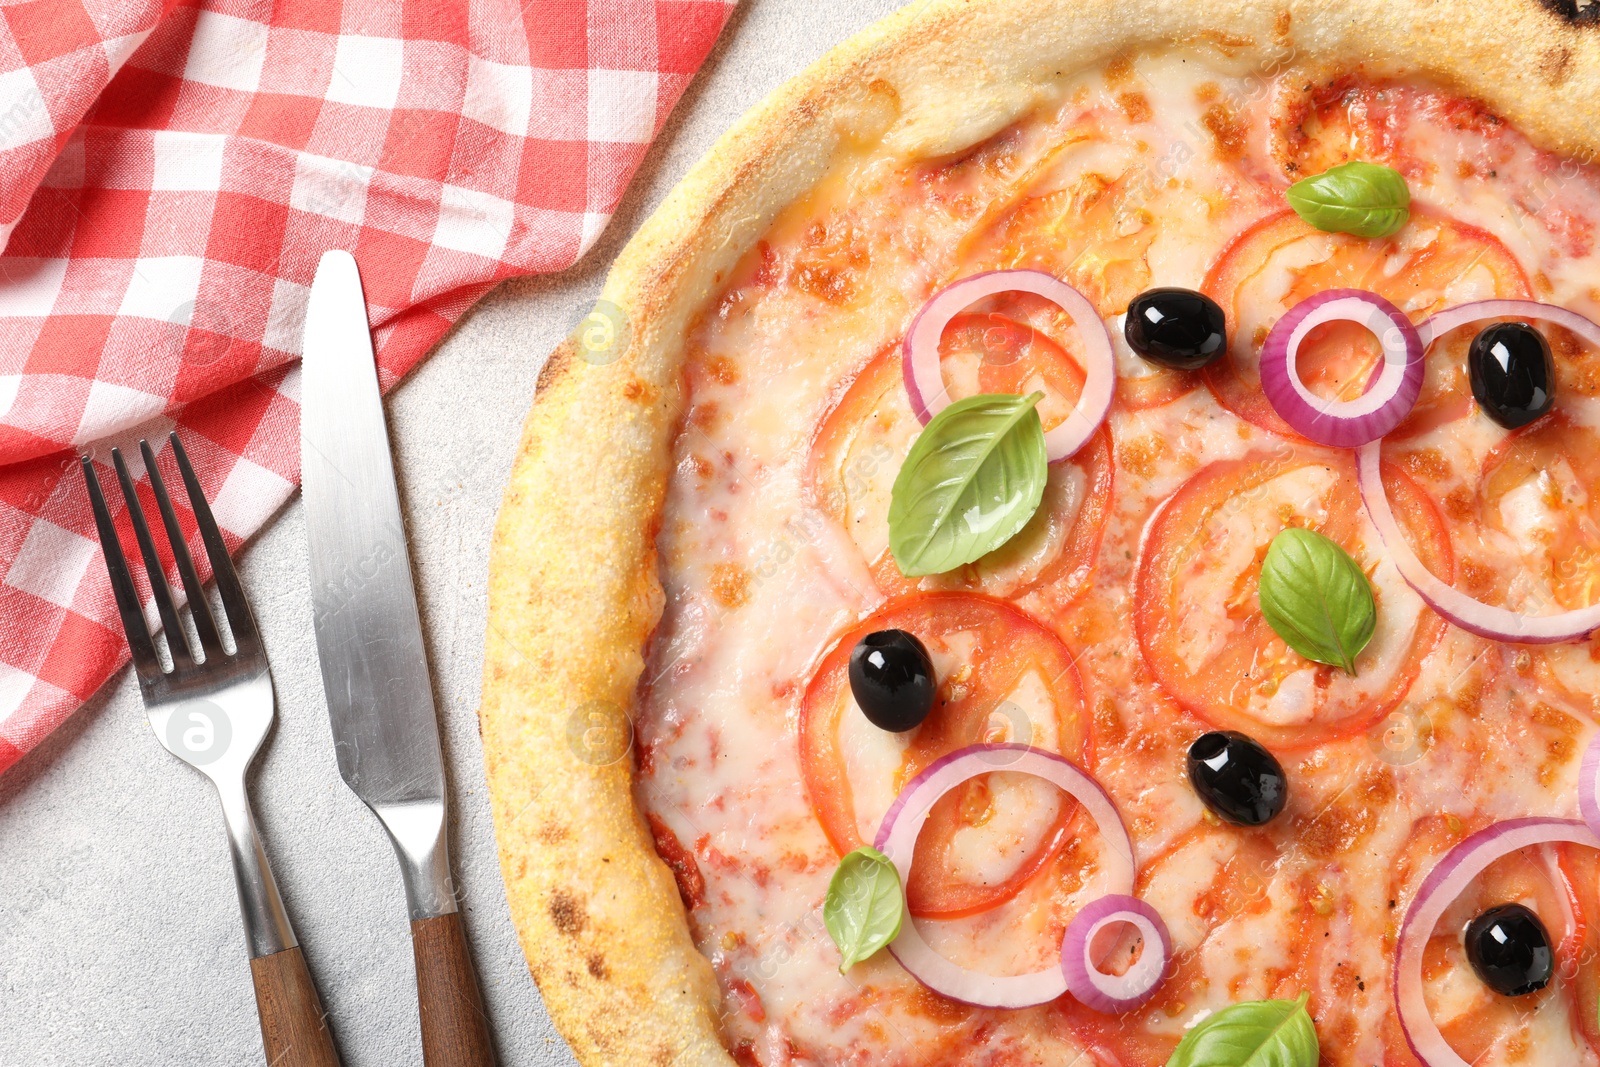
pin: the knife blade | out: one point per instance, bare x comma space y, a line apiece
369, 641
369, 634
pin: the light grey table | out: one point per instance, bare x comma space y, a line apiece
120, 940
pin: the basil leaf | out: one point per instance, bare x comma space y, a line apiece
1260, 1033
1365, 199
973, 478
1317, 598
864, 905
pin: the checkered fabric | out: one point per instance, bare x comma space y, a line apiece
170, 176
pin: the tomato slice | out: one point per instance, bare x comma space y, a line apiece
1002, 677
1578, 952
1557, 884
1095, 234
1009, 344
1539, 512
1432, 263
1197, 615
857, 449
1324, 124
1571, 673
1539, 489
1216, 888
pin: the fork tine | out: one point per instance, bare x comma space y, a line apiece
199, 607
145, 661
177, 640
240, 618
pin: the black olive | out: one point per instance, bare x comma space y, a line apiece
1237, 778
1510, 949
891, 677
1513, 376
1177, 328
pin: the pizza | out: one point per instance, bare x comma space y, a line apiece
1073, 537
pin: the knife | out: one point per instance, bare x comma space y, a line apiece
369, 639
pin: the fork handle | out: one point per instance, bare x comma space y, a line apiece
294, 1028
454, 1030
266, 923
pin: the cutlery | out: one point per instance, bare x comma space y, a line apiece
212, 710
369, 639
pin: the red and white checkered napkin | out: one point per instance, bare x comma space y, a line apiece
169, 178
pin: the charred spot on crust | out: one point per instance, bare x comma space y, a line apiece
562, 358
566, 912
597, 966
601, 1038
1575, 12
1555, 64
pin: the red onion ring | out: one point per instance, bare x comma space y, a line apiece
1474, 616
925, 383
1430, 330
897, 839
1589, 785
1439, 890
1389, 396
1112, 993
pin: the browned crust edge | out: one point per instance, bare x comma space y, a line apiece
573, 593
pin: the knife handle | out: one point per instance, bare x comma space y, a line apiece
294, 1028
455, 1032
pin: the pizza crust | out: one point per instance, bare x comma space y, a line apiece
573, 591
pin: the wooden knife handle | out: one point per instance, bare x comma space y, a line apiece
455, 1032
294, 1028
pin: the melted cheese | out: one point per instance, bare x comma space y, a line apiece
1122, 187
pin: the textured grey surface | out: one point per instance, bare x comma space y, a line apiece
119, 932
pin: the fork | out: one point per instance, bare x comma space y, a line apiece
212, 710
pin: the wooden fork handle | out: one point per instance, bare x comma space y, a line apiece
454, 1030
294, 1029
